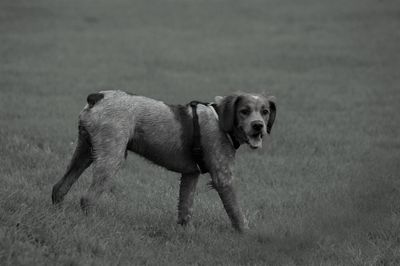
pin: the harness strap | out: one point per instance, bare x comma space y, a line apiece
197, 150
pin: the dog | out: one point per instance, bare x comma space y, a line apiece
114, 122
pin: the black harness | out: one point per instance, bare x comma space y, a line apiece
197, 149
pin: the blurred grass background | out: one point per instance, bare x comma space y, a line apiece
324, 190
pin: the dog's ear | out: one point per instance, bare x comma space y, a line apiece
272, 114
226, 111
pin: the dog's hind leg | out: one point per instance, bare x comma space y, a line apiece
186, 196
81, 160
108, 158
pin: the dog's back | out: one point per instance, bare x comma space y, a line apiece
150, 127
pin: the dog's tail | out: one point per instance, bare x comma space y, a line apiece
93, 98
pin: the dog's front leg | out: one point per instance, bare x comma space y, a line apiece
229, 199
186, 196
222, 182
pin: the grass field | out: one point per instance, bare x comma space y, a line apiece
325, 190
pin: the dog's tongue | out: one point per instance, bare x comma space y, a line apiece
255, 141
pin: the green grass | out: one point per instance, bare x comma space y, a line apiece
325, 189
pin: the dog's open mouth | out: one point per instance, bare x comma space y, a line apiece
255, 140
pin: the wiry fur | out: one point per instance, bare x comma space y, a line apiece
114, 122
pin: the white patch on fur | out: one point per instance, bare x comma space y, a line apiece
214, 112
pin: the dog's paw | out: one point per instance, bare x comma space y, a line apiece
86, 205
184, 220
185, 226
56, 197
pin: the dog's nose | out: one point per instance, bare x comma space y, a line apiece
257, 125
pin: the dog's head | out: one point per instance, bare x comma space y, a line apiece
249, 117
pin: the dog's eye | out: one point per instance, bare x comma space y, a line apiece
245, 111
265, 112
